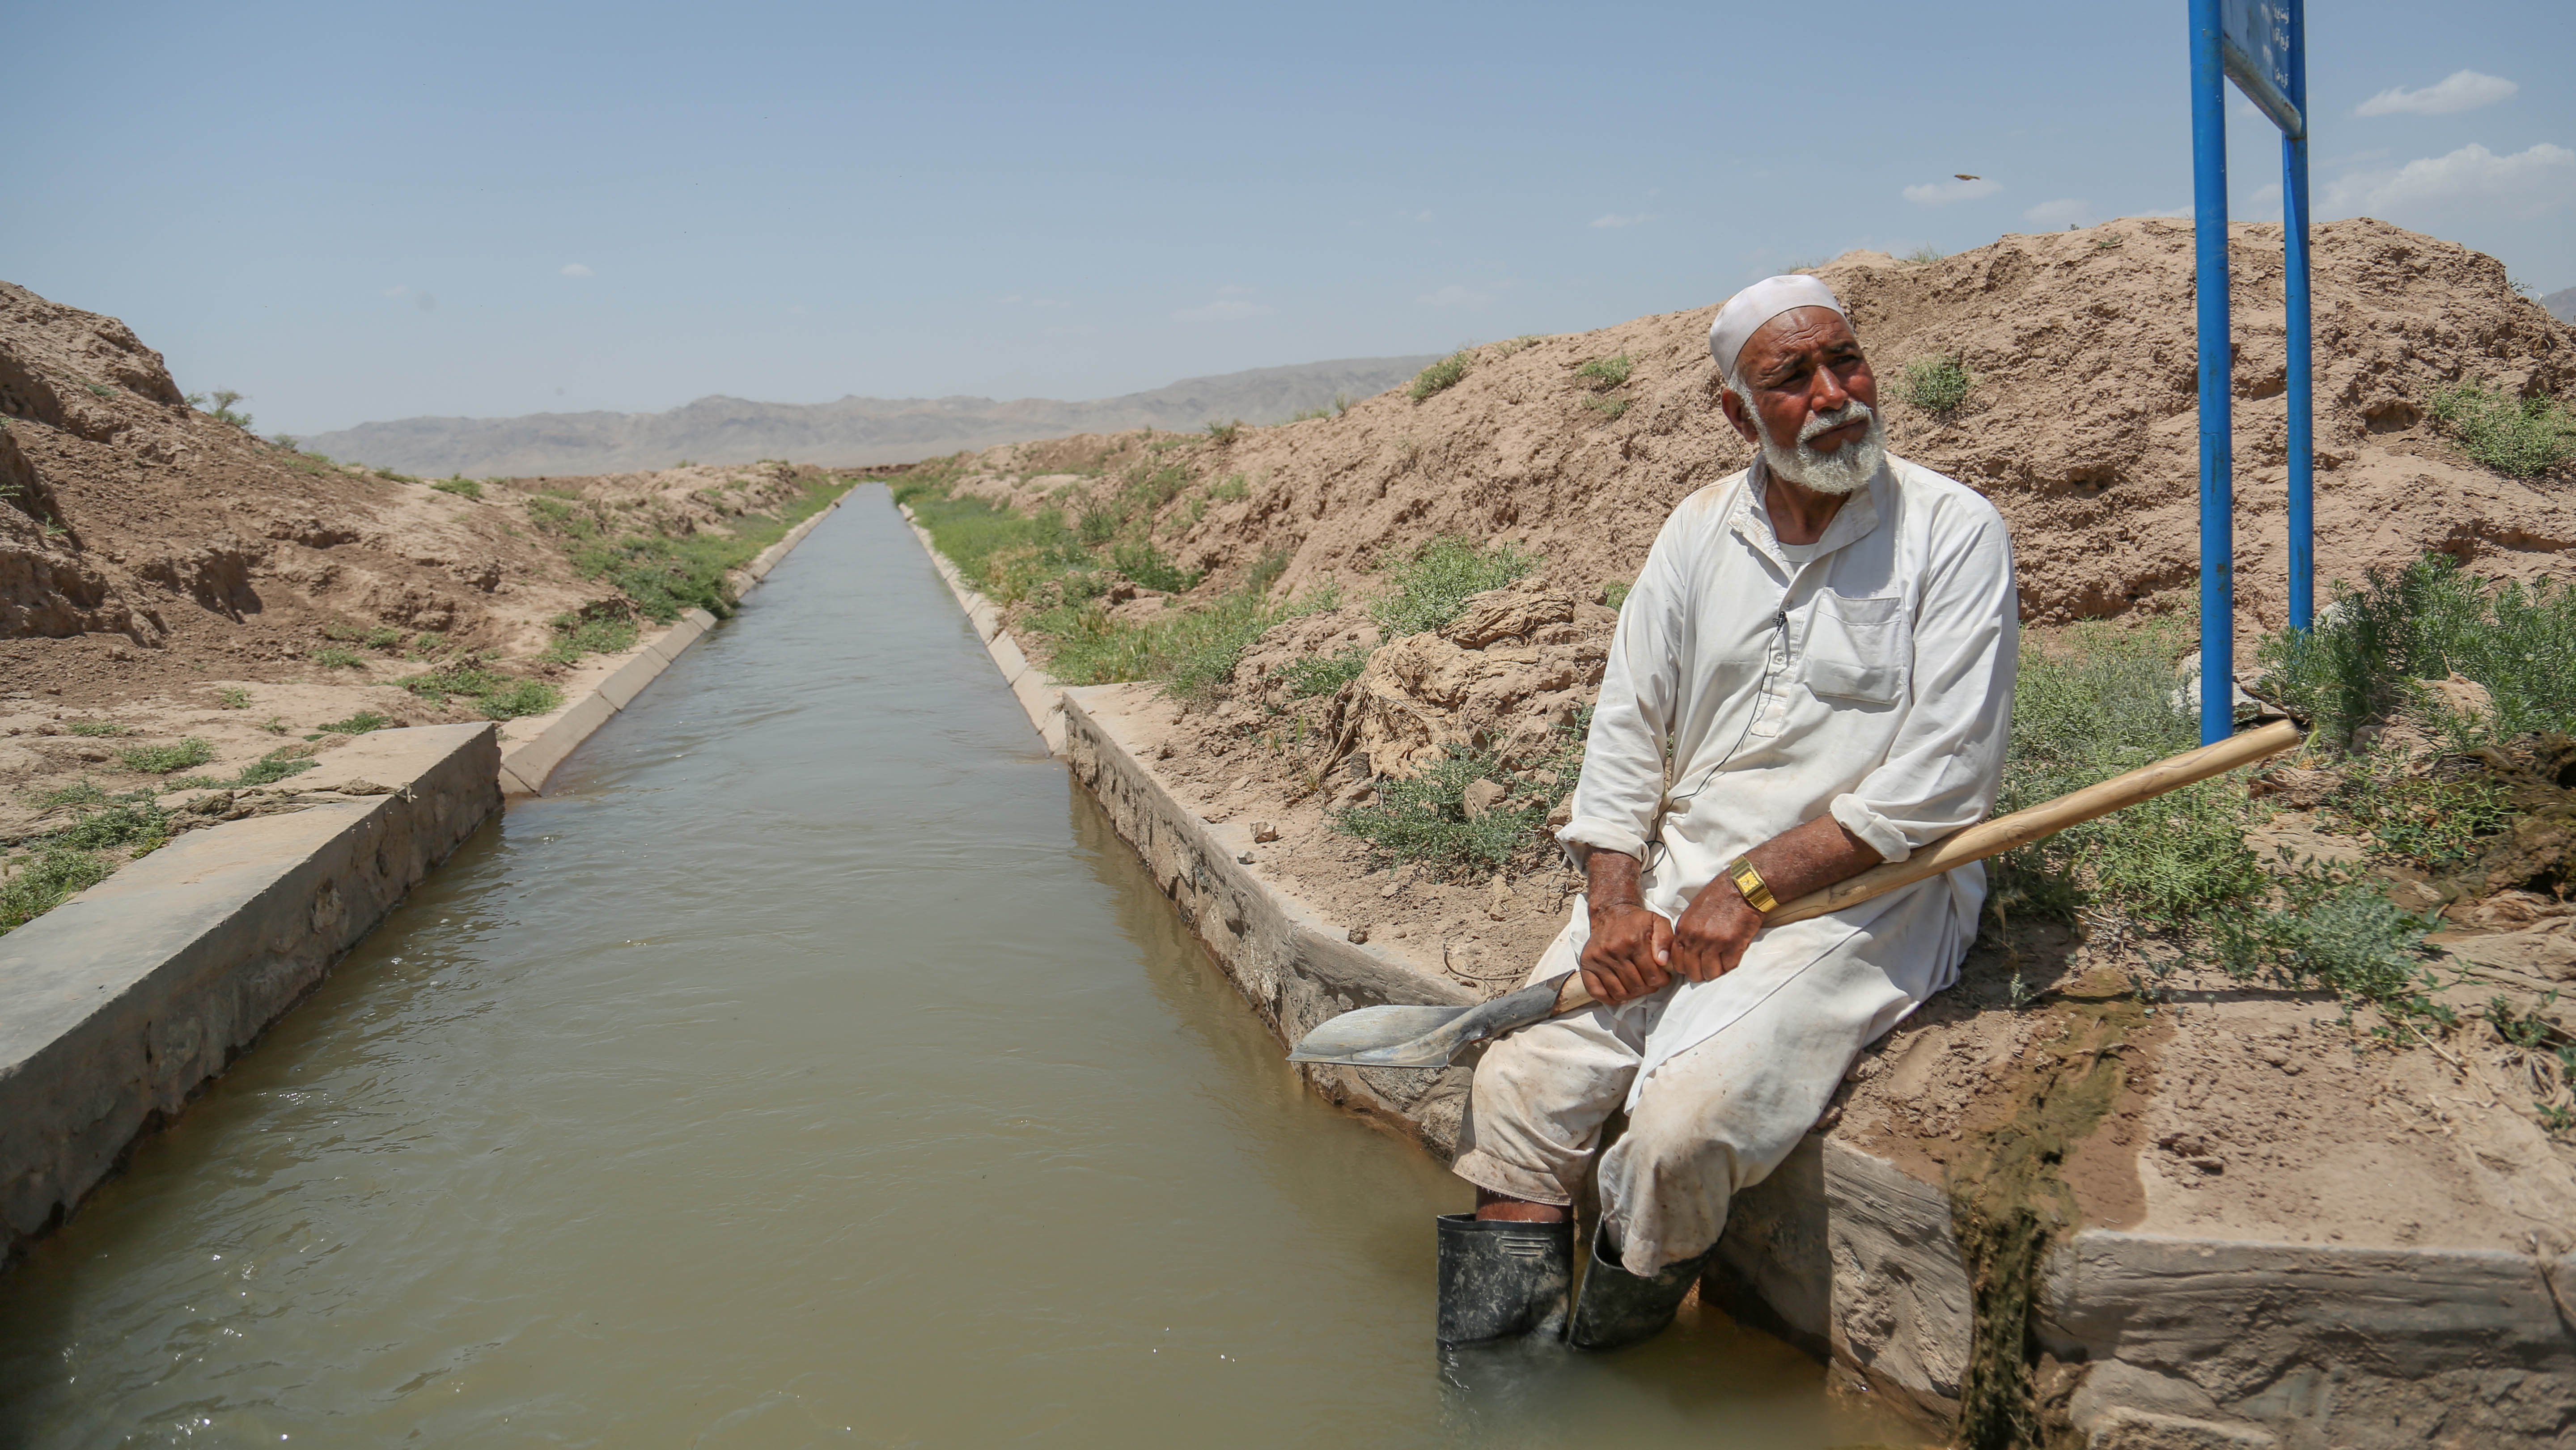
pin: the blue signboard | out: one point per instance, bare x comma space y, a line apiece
2255, 45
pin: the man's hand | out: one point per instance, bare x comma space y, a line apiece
1719, 923
1630, 947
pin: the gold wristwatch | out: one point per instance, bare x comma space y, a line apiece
1749, 881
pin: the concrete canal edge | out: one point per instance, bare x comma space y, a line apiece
117, 1006
533, 746
121, 1004
2180, 1343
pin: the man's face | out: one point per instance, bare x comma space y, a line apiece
1802, 364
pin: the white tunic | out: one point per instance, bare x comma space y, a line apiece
1869, 675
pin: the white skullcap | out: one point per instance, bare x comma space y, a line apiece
1746, 311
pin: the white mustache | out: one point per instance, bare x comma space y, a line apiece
1854, 411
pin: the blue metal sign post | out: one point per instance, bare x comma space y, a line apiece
2261, 45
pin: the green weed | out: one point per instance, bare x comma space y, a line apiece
459, 485
271, 768
1924, 254
333, 657
93, 727
46, 880
1609, 408
1936, 384
2440, 825
232, 697
1230, 489
1604, 373
1141, 561
2430, 620
577, 635
1193, 652
2519, 436
163, 759
1434, 582
1424, 819
390, 476
499, 696
358, 724
1224, 433
1440, 376
1324, 674
1614, 592
127, 823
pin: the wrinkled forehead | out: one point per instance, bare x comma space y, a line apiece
1798, 330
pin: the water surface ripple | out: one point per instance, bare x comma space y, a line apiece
813, 1067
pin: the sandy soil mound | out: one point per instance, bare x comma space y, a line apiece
2082, 425
165, 574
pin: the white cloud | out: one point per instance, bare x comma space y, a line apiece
2539, 178
2182, 213
2063, 212
1224, 309
576, 269
1454, 295
1942, 193
399, 289
1613, 219
2464, 90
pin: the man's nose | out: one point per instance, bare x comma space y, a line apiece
1827, 394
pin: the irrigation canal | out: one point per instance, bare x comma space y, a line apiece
813, 1067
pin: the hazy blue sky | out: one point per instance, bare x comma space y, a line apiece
353, 211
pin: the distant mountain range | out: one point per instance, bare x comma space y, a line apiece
851, 432
2561, 304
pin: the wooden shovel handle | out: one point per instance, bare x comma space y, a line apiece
2004, 833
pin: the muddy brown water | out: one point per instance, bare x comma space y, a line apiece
813, 1067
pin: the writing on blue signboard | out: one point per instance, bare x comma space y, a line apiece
2254, 46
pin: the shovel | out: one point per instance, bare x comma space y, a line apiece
1430, 1036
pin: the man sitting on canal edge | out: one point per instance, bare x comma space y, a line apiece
1826, 644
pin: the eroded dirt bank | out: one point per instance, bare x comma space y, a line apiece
2240, 1108
182, 600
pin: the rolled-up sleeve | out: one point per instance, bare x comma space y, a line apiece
1943, 768
1623, 757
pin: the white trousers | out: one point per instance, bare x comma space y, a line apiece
1712, 1121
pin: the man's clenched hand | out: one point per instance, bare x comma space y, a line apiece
1630, 950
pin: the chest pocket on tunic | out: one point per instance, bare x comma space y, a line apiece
1859, 649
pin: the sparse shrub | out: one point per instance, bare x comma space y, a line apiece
1614, 592
358, 724
426, 643
1192, 652
93, 727
1141, 561
1937, 384
2430, 620
383, 636
499, 696
459, 485
163, 759
130, 822
271, 768
274, 726
334, 657
390, 476
555, 516
232, 697
1224, 433
1424, 820
1610, 407
100, 390
1434, 582
2519, 436
1324, 674
1440, 376
46, 880
1924, 254
577, 635
1604, 373
1232, 488
223, 410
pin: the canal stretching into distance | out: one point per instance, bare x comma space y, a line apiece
813, 1067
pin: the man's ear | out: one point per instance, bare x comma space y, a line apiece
1733, 404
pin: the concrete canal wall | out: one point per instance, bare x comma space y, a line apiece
121, 1004
2169, 1342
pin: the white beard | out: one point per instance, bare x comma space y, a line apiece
1847, 469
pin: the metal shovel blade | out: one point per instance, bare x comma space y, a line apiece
1420, 1036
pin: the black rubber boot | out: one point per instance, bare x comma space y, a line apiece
1502, 1278
1618, 1308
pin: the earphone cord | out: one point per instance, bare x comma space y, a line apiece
1672, 803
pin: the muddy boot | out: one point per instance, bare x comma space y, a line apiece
1502, 1278
1618, 1308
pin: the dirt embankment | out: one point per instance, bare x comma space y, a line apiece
2240, 1109
167, 576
